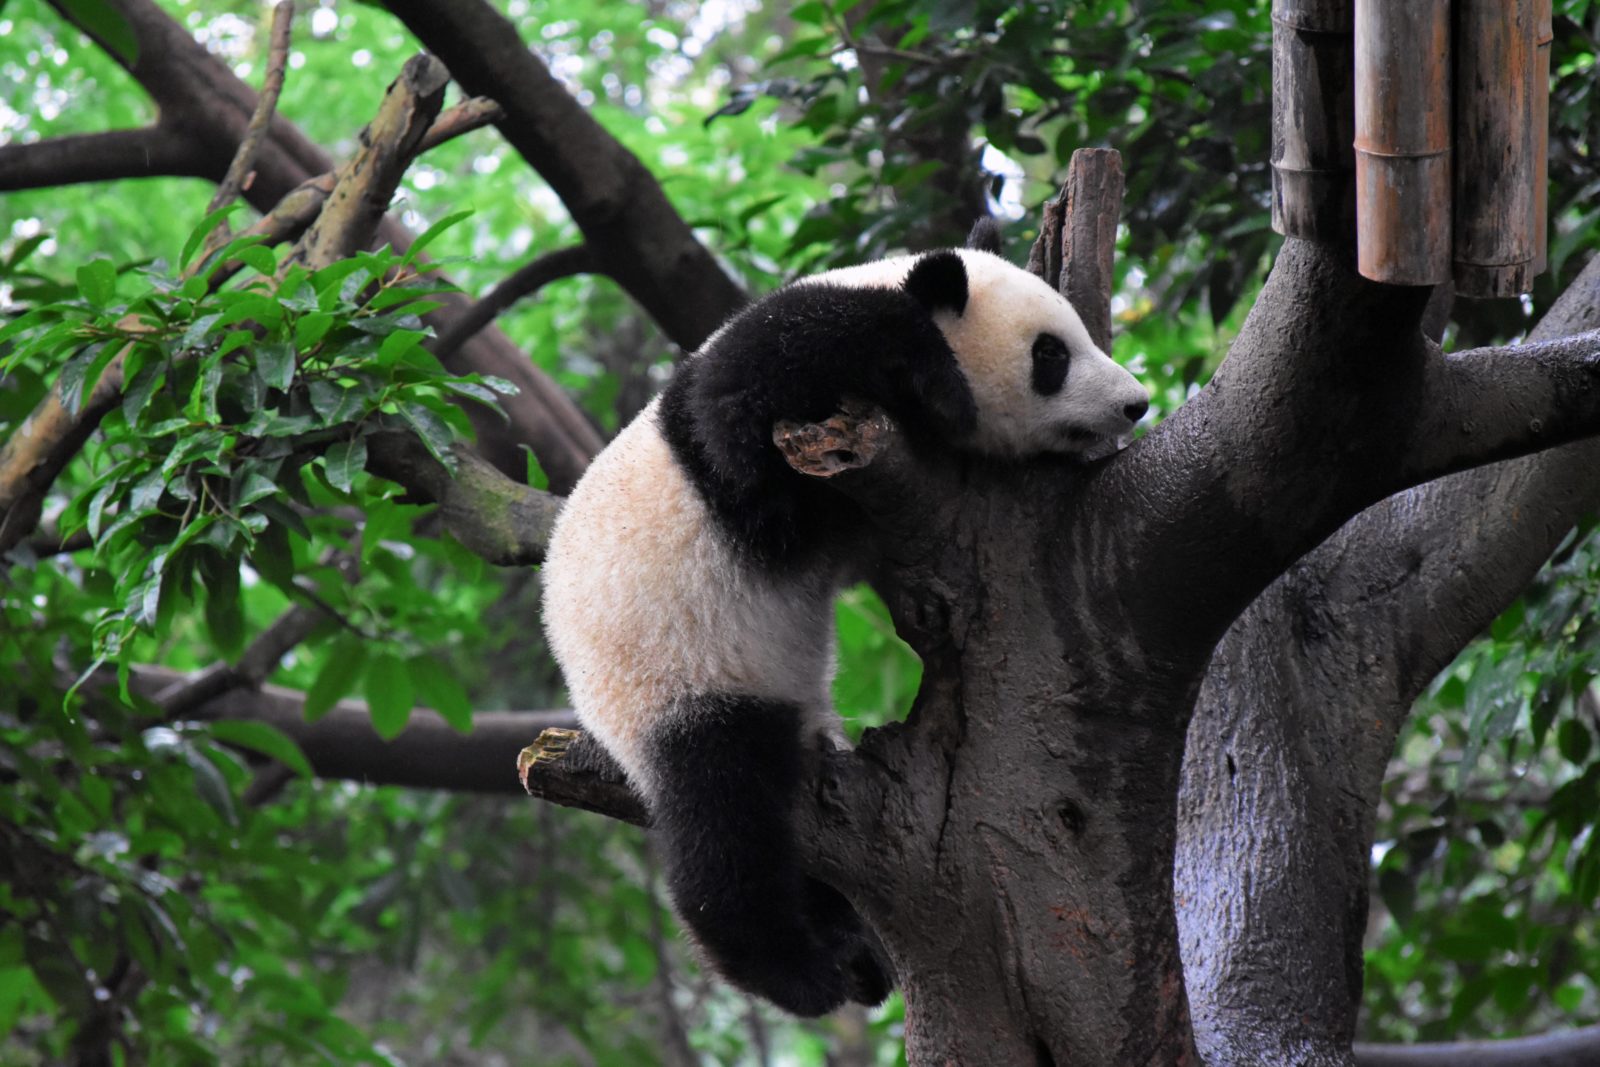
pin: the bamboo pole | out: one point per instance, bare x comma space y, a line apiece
1544, 36
1495, 147
1313, 119
1402, 140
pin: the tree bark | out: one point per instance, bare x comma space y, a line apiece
1298, 718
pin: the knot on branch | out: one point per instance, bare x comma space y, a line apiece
846, 441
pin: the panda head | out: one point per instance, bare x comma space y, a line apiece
1039, 382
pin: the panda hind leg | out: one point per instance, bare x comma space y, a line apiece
725, 773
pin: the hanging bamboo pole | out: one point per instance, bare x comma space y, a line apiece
1313, 119
1495, 147
1543, 37
1402, 140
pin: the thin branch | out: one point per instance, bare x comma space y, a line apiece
524, 281
153, 151
52, 544
428, 754
1570, 1048
244, 160
469, 115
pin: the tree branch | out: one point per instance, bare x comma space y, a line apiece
271, 85
634, 232
570, 768
366, 182
1571, 1048
150, 152
527, 279
1499, 403
471, 114
427, 754
1078, 238
502, 521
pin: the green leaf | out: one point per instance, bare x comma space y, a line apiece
275, 359
97, 282
210, 783
1574, 741
431, 234
267, 740
24, 248
197, 236
260, 259
344, 461
433, 430
388, 691
82, 372
59, 974
251, 485
346, 658
312, 328
442, 691
537, 478
224, 614
136, 396
273, 557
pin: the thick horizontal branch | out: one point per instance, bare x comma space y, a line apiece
524, 281
1572, 1048
151, 152
502, 521
428, 754
1499, 403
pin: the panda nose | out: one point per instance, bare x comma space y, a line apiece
1135, 411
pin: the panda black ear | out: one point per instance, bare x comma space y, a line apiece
939, 281
985, 235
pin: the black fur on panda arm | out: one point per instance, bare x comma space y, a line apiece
796, 355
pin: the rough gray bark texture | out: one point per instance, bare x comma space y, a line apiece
1298, 717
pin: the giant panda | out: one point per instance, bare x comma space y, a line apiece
690, 577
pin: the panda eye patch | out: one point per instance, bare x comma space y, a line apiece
1050, 361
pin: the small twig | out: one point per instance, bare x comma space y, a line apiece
244, 159
526, 279
469, 115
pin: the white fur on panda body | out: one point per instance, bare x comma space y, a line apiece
683, 630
